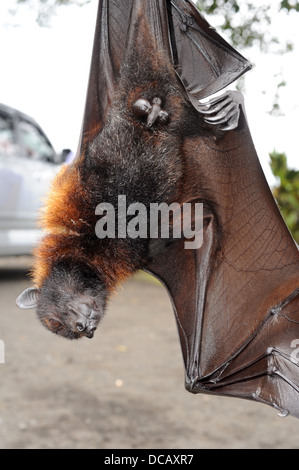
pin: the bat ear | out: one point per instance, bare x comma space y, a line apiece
28, 299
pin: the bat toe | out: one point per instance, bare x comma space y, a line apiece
223, 111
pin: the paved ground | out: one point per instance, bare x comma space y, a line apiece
122, 390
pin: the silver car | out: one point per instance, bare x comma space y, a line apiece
28, 163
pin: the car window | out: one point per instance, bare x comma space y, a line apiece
35, 144
7, 138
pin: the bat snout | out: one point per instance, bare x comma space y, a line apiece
83, 319
90, 334
86, 328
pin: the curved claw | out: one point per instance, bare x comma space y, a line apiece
210, 108
224, 116
223, 111
233, 125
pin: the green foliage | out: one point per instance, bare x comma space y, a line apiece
247, 23
289, 5
286, 192
44, 9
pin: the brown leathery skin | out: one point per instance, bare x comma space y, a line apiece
236, 296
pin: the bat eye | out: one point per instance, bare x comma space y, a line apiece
54, 324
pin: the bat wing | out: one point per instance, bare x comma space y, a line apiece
203, 61
235, 297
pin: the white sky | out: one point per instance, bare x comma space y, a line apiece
44, 73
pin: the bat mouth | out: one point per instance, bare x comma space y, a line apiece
89, 334
84, 320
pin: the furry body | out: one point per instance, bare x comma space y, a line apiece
126, 158
146, 136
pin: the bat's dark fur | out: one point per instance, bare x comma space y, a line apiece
145, 136
127, 158
70, 286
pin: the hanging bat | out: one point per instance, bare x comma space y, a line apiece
148, 137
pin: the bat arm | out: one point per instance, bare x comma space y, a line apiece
197, 263
202, 276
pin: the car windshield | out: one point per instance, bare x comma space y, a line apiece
7, 143
35, 144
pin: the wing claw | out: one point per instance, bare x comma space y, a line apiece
214, 105
224, 109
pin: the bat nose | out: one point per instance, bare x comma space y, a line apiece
80, 326
89, 333
87, 330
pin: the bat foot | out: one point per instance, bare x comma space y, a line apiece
153, 112
223, 111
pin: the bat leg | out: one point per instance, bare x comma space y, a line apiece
153, 112
223, 111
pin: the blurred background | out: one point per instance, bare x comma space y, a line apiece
125, 388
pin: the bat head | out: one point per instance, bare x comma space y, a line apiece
71, 301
